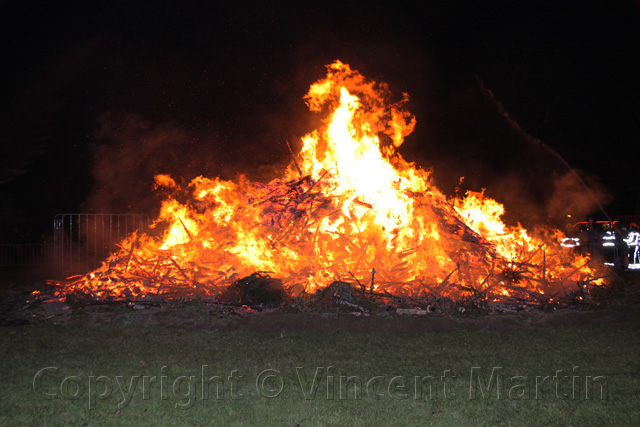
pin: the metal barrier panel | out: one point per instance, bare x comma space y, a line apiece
82, 241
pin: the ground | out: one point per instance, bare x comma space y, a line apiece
622, 305
195, 315
334, 322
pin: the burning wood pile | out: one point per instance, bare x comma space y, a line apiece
349, 209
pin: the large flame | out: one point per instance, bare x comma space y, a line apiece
349, 208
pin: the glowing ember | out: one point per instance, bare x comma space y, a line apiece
349, 206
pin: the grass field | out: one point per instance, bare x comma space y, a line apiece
53, 375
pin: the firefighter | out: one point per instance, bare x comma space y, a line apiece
633, 242
622, 258
592, 238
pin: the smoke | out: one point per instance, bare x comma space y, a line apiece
128, 153
477, 138
577, 194
567, 192
474, 137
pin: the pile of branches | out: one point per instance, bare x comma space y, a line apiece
291, 206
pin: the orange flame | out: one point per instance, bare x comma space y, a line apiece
358, 206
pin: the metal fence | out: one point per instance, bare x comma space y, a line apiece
82, 241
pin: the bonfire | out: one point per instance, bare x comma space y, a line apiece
348, 209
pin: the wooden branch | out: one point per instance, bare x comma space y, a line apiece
574, 270
133, 246
445, 282
362, 288
373, 278
180, 269
315, 183
293, 157
361, 203
185, 228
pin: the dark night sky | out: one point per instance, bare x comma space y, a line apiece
96, 99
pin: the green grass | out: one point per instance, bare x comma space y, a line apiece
118, 363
